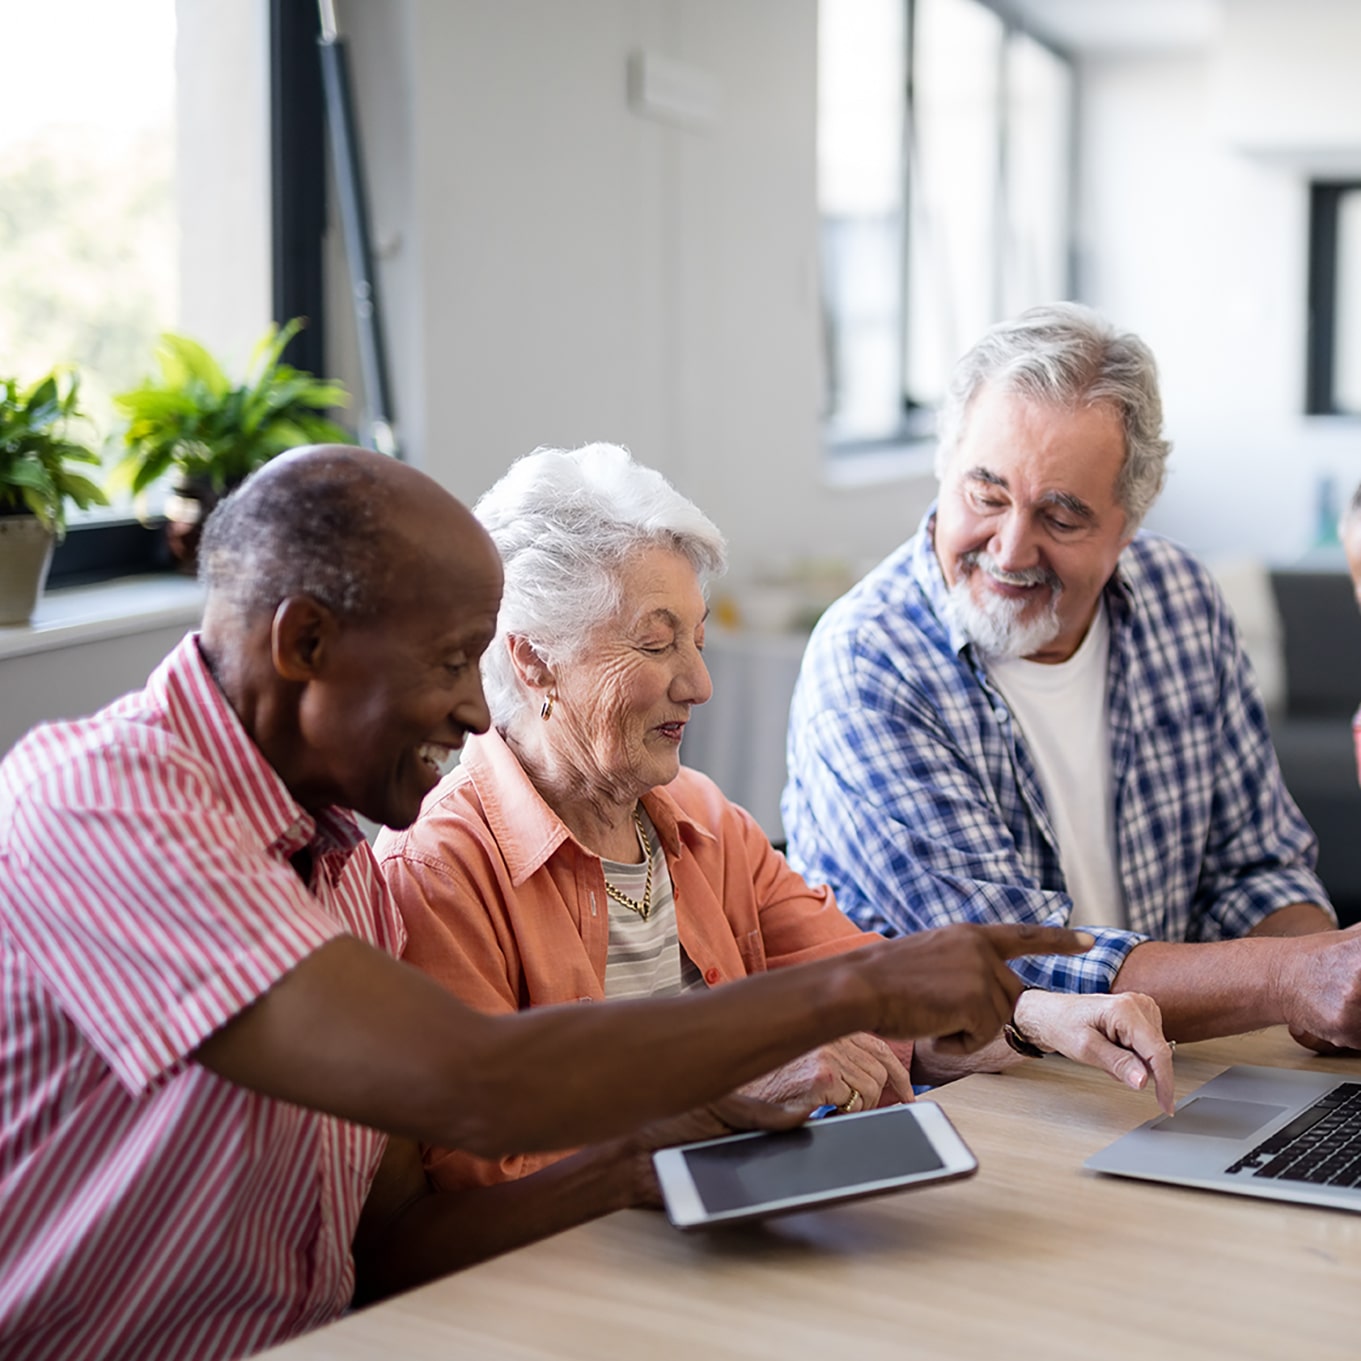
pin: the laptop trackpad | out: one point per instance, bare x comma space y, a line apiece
1218, 1118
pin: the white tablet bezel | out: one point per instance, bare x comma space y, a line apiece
686, 1210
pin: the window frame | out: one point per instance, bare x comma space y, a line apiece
1320, 381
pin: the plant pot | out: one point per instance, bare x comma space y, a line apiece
25, 555
186, 508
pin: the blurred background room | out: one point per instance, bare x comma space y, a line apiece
746, 238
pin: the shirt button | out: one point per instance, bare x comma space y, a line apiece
711, 976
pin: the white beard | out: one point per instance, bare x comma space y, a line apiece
995, 626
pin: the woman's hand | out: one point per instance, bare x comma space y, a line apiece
856, 1073
1120, 1032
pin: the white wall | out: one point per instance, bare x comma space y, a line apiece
1193, 232
569, 270
73, 680
559, 268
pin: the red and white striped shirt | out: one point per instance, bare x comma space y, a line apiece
148, 1208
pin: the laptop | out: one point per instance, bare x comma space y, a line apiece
1281, 1133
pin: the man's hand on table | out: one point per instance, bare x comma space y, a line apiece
1318, 984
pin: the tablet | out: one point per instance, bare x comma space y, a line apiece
823, 1162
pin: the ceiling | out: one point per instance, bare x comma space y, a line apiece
1094, 27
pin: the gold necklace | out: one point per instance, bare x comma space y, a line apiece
645, 907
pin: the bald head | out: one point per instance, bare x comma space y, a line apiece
340, 524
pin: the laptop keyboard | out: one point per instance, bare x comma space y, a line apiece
1321, 1144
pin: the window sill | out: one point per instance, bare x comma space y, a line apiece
850, 467
110, 609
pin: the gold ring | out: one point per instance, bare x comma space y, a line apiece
852, 1099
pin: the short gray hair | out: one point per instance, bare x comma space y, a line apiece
311, 528
565, 522
1064, 354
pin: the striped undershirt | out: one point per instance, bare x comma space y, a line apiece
645, 958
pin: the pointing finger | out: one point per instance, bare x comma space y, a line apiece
1024, 939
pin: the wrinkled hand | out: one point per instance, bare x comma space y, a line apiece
729, 1115
953, 982
1319, 989
1122, 1033
854, 1071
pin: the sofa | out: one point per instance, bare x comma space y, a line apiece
1320, 656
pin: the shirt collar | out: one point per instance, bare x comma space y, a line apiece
527, 830
197, 710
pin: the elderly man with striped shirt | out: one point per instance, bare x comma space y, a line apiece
203, 1028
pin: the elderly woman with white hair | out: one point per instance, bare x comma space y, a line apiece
571, 856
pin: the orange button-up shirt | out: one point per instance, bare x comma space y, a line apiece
506, 909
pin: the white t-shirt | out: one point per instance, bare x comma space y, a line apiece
1064, 713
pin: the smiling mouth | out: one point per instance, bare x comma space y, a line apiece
978, 563
435, 756
1014, 590
673, 731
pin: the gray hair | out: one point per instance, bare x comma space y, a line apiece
305, 528
1064, 354
565, 522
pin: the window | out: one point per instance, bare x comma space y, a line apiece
88, 253
1333, 382
862, 80
944, 164
133, 200
88, 237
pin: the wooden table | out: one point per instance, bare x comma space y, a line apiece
1032, 1257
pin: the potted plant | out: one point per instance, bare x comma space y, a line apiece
193, 421
37, 481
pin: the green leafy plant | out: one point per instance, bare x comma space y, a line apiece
37, 451
194, 420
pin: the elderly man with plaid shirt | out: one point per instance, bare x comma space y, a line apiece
1032, 712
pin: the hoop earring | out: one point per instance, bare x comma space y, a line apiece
546, 710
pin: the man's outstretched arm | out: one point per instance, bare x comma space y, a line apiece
355, 1033
1295, 969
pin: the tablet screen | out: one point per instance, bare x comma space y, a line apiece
810, 1160
744, 1176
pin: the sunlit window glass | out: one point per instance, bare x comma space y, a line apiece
1038, 132
944, 170
861, 88
955, 166
88, 249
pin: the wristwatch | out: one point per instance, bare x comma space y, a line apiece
1015, 1037
1020, 1044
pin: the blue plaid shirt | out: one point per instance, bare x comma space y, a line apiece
911, 791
